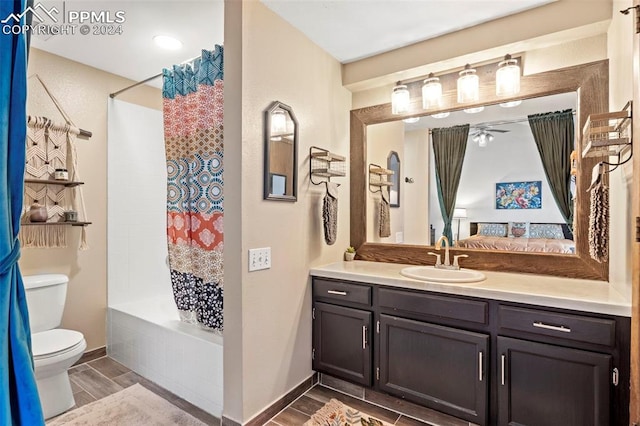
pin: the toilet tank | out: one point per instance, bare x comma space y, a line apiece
46, 295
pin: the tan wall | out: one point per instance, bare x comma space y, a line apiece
83, 92
271, 309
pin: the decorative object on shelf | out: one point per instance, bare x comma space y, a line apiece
38, 212
61, 174
71, 216
280, 153
350, 254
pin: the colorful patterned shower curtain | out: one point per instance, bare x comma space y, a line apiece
193, 111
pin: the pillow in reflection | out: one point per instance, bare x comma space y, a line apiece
518, 230
546, 230
492, 229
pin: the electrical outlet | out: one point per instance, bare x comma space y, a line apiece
259, 258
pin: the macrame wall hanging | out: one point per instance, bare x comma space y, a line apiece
50, 147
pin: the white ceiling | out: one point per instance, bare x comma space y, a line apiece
133, 54
354, 29
347, 29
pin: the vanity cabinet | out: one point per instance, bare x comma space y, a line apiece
439, 367
485, 361
342, 331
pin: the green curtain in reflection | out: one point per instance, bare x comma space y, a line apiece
449, 145
554, 133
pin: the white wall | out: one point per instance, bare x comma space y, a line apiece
510, 157
267, 347
137, 194
416, 195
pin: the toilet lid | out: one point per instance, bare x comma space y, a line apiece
51, 342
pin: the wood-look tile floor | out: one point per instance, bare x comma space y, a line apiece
298, 412
102, 377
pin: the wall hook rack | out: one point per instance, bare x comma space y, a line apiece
378, 178
609, 134
325, 164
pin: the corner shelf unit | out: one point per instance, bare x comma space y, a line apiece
607, 134
325, 164
378, 177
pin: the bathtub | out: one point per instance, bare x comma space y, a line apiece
148, 337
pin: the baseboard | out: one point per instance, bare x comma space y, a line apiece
269, 412
92, 354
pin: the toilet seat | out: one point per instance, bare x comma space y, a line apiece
51, 343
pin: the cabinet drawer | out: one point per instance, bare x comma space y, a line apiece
341, 292
433, 305
566, 326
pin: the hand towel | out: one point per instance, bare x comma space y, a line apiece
385, 215
599, 222
330, 213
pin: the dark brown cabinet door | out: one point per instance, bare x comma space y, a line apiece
546, 385
341, 342
440, 367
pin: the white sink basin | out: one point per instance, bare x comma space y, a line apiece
448, 276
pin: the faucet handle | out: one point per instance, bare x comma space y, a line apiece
455, 259
438, 261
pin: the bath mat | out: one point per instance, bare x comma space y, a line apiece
335, 413
134, 405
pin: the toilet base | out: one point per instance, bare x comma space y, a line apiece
55, 393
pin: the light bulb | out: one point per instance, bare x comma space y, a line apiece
468, 85
400, 99
431, 92
508, 77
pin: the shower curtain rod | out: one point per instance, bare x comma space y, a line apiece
503, 122
146, 80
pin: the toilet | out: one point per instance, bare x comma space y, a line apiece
55, 350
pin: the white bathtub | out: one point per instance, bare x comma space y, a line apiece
149, 338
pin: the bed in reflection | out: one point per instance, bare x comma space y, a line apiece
520, 236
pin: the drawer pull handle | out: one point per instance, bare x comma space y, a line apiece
502, 359
552, 327
480, 366
339, 293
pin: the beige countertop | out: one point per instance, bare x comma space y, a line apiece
556, 292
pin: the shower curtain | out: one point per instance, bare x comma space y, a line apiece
19, 401
193, 112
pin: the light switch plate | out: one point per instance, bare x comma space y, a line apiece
259, 258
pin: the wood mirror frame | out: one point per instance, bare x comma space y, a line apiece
590, 82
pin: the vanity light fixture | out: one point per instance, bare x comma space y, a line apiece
167, 42
431, 92
441, 115
508, 77
468, 85
400, 99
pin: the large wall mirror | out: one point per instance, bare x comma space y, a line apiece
501, 157
280, 153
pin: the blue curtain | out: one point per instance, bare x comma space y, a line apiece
19, 401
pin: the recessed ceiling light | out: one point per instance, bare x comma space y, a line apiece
167, 42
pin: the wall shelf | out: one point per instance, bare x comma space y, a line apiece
378, 177
67, 183
325, 164
607, 134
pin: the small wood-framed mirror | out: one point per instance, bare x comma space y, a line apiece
393, 164
280, 153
